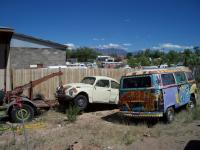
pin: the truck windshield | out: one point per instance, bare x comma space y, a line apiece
88, 80
137, 82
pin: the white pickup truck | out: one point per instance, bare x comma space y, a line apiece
94, 89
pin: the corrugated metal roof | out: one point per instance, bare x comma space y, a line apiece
7, 29
40, 41
35, 40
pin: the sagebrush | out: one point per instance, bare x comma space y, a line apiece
72, 113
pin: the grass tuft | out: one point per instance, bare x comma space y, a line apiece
196, 113
188, 116
72, 113
128, 138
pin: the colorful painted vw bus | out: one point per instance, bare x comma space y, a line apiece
157, 92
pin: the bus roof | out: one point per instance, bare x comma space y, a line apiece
158, 71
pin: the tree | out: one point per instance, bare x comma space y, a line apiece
129, 55
132, 62
68, 53
157, 57
144, 61
156, 54
172, 57
157, 61
84, 54
197, 50
147, 52
187, 56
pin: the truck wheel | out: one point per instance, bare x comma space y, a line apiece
27, 112
169, 115
191, 104
81, 101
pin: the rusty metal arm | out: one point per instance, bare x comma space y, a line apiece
19, 90
36, 82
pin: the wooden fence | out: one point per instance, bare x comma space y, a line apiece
47, 88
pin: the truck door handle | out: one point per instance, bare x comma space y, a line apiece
108, 90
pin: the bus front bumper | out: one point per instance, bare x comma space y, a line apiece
142, 114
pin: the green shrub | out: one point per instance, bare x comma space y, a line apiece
193, 114
196, 113
188, 116
72, 113
197, 79
128, 138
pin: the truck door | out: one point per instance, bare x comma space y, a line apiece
101, 91
114, 95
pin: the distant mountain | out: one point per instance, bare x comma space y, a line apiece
112, 51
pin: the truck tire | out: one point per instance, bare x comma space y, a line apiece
26, 110
81, 101
169, 115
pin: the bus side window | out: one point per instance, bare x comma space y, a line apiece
167, 79
180, 77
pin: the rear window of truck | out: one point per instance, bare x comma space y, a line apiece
137, 82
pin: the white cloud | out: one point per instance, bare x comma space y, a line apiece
126, 44
98, 39
111, 45
115, 45
156, 47
70, 46
172, 46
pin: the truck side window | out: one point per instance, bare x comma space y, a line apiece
168, 79
103, 83
114, 85
180, 77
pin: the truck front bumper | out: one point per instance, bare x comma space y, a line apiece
63, 99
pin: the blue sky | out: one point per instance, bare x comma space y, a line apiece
129, 24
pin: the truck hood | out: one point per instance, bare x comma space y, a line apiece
77, 85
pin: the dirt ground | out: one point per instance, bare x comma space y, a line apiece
104, 129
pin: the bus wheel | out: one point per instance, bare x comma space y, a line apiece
169, 115
191, 104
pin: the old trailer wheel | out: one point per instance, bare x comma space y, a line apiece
81, 101
169, 115
26, 113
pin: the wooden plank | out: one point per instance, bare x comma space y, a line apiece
1, 78
47, 88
